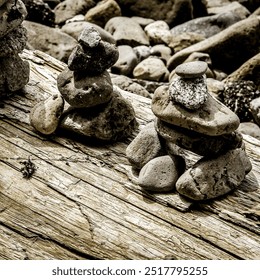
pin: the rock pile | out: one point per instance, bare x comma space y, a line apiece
189, 118
14, 72
94, 108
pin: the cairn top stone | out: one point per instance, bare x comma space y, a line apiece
89, 37
191, 69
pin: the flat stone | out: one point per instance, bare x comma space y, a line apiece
89, 37
112, 121
45, 115
11, 16
94, 60
212, 119
83, 91
161, 174
14, 42
196, 142
211, 178
145, 146
14, 74
191, 69
190, 93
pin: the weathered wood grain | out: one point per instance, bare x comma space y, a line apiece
83, 200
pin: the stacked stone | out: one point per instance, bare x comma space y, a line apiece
14, 72
189, 118
94, 107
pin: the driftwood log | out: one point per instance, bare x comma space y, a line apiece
82, 202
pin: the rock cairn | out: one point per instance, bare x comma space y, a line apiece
93, 106
14, 72
189, 118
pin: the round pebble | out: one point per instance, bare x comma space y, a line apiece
191, 69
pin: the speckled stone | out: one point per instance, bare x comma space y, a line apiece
161, 174
212, 119
83, 91
145, 146
191, 93
89, 37
191, 69
11, 16
45, 115
112, 121
198, 143
211, 178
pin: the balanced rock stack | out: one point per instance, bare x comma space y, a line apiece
189, 118
94, 108
14, 72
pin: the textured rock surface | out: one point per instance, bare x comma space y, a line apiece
151, 68
94, 59
109, 122
198, 143
103, 12
145, 146
228, 49
161, 174
45, 116
83, 91
250, 128
211, 178
254, 106
11, 16
212, 119
75, 28
158, 32
126, 62
237, 96
126, 31
14, 42
14, 74
192, 69
50, 40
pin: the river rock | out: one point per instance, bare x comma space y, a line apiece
14, 42
126, 31
213, 118
94, 59
145, 147
126, 62
254, 106
196, 142
211, 178
238, 95
161, 174
45, 115
69, 8
112, 121
162, 51
143, 21
39, 11
250, 128
152, 69
103, 12
158, 32
50, 40
192, 69
74, 29
11, 16
228, 49
83, 91
173, 12
206, 26
129, 85
14, 74
190, 93
142, 52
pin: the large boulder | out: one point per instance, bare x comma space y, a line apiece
50, 40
